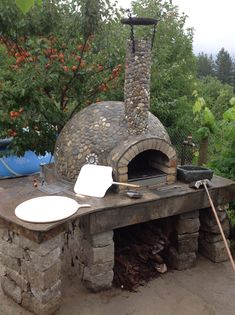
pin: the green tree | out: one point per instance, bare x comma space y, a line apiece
48, 75
206, 122
215, 93
223, 152
205, 65
223, 66
26, 5
233, 75
91, 13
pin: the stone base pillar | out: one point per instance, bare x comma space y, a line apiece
32, 271
72, 251
183, 255
211, 244
99, 261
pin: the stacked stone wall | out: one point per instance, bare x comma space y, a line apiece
35, 271
89, 258
183, 255
32, 276
72, 251
211, 244
99, 261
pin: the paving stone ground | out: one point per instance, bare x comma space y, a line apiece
207, 289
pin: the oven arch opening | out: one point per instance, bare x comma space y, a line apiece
147, 165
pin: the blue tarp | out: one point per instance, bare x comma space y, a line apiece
13, 166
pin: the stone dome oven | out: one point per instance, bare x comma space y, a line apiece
98, 134
123, 135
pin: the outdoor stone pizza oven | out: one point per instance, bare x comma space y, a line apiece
166, 226
123, 135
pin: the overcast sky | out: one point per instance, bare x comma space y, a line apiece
212, 20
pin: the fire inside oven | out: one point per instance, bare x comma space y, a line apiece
147, 166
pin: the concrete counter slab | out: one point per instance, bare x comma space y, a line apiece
177, 197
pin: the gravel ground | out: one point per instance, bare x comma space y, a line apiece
207, 289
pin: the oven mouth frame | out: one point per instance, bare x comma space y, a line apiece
120, 157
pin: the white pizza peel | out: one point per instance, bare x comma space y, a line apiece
47, 209
94, 180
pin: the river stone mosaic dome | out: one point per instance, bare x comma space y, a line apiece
93, 133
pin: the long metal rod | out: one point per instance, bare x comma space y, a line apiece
126, 184
220, 227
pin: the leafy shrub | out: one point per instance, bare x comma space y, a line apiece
223, 152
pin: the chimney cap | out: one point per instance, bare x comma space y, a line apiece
139, 21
